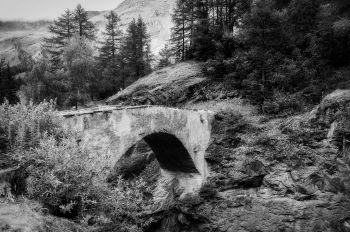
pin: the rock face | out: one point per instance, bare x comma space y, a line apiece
178, 137
277, 175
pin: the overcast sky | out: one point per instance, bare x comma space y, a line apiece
48, 9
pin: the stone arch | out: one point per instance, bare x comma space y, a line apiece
178, 137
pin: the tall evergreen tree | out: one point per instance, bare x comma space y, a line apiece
262, 33
62, 30
8, 85
136, 48
181, 32
109, 57
84, 27
165, 57
203, 47
199, 24
302, 19
112, 38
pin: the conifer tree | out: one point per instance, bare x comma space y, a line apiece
165, 57
62, 30
109, 57
262, 33
148, 58
83, 26
8, 85
181, 32
136, 49
203, 47
112, 38
131, 49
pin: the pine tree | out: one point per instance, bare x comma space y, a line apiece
199, 24
8, 85
136, 50
112, 38
62, 30
165, 57
148, 59
109, 57
181, 32
203, 46
144, 48
131, 49
262, 33
83, 26
302, 19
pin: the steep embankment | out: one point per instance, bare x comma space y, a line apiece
267, 174
177, 85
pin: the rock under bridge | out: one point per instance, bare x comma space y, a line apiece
178, 137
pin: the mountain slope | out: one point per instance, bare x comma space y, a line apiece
156, 13
28, 34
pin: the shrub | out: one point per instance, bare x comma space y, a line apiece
25, 124
127, 204
71, 182
283, 103
64, 176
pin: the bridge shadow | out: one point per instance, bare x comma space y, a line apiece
171, 153
154, 156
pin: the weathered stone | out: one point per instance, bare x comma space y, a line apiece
178, 137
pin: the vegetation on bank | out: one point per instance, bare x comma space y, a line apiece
64, 177
282, 55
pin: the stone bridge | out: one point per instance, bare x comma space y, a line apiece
178, 137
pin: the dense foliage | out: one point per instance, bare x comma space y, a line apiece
8, 85
267, 49
74, 71
67, 179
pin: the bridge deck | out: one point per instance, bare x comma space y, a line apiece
110, 109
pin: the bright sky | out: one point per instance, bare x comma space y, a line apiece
48, 9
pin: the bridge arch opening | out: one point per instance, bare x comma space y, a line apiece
171, 153
159, 156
